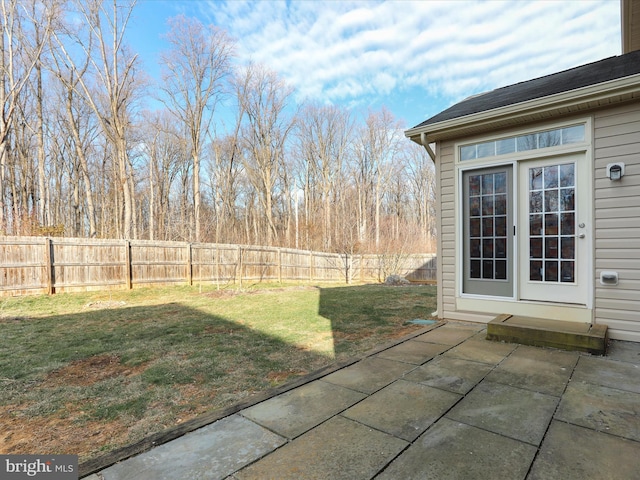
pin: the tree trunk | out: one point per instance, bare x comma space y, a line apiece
196, 194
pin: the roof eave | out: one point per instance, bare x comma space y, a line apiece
591, 97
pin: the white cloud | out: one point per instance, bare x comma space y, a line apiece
339, 51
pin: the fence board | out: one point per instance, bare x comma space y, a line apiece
50, 265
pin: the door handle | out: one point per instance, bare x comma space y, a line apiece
581, 235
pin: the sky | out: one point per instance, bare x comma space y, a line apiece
415, 57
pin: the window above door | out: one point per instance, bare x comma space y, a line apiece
568, 135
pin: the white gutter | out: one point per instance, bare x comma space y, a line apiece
427, 147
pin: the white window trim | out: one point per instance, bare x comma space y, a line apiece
480, 302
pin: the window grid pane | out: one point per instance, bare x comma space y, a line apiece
552, 224
488, 226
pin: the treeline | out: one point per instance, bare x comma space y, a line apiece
226, 154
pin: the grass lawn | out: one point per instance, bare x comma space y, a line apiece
90, 372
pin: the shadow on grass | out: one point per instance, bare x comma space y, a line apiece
111, 377
364, 316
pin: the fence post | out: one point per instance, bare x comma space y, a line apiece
310, 266
361, 268
48, 260
217, 259
348, 265
280, 265
240, 264
189, 265
128, 266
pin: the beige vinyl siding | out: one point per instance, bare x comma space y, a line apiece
617, 220
447, 232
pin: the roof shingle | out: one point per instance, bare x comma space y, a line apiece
611, 68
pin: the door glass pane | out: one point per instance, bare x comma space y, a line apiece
535, 270
567, 272
501, 204
474, 271
567, 175
500, 181
550, 271
550, 177
501, 269
568, 225
552, 223
474, 185
501, 226
535, 202
487, 227
535, 178
487, 184
535, 224
535, 247
474, 207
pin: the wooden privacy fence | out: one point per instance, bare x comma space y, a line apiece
50, 265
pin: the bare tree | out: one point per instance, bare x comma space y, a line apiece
224, 172
264, 99
40, 20
78, 123
194, 70
422, 183
376, 149
323, 136
19, 55
165, 150
110, 86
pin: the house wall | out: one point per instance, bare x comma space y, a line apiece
616, 138
617, 220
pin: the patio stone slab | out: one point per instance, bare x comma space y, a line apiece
413, 352
608, 373
605, 409
538, 369
624, 351
212, 452
301, 409
570, 452
369, 375
447, 335
517, 413
338, 449
404, 409
448, 373
451, 451
483, 351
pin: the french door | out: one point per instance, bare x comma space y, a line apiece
554, 228
488, 232
550, 228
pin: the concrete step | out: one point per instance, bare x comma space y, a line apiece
541, 332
